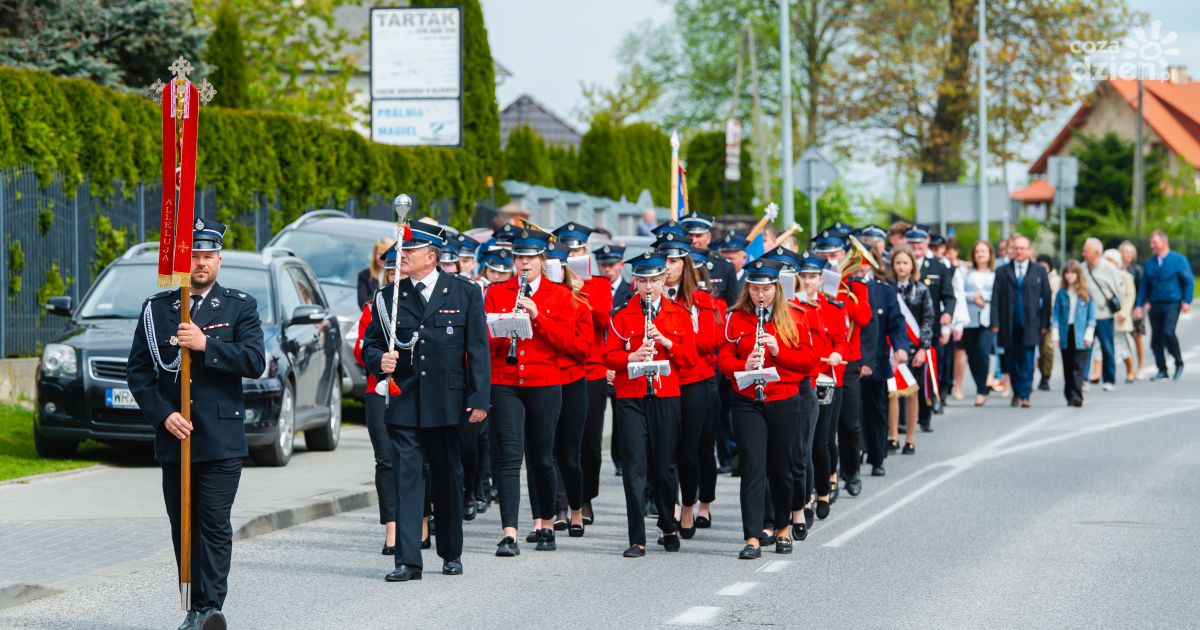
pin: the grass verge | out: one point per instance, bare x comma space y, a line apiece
18, 458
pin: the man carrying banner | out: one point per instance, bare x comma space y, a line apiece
225, 340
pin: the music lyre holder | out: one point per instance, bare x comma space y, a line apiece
504, 325
642, 369
750, 378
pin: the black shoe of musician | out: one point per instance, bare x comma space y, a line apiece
822, 509
589, 516
854, 486
909, 449
1044, 384
469, 510
212, 619
452, 567
532, 536
481, 506
404, 574
749, 552
508, 548
191, 621
878, 471
427, 543
388, 550
703, 522
783, 545
799, 531
545, 541
560, 521
671, 541
634, 551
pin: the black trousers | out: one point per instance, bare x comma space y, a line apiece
978, 343
523, 420
695, 401
568, 446
649, 425
765, 433
708, 443
385, 483
591, 456
802, 446
726, 444
875, 409
474, 438
1163, 320
443, 451
214, 486
1074, 367
849, 429
824, 458
614, 448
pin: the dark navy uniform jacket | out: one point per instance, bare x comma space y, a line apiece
886, 325
448, 370
229, 318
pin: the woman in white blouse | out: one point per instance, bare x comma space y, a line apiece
977, 336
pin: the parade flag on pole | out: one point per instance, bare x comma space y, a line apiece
180, 100
676, 177
928, 374
681, 208
756, 248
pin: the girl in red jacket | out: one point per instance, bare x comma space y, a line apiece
765, 430
649, 408
527, 388
695, 383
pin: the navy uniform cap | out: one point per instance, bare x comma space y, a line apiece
696, 223
937, 239
733, 242
505, 234
672, 245
424, 235
763, 271
573, 234
648, 265
811, 263
389, 258
610, 253
917, 233
466, 245
840, 229
499, 260
559, 251
828, 241
669, 227
699, 256
530, 242
871, 232
208, 235
783, 255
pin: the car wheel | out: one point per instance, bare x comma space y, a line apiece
53, 449
325, 437
280, 451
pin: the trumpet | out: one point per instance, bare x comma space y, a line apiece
648, 309
760, 313
522, 291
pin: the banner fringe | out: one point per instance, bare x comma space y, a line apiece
181, 279
164, 281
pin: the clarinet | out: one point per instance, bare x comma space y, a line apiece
648, 309
522, 290
760, 313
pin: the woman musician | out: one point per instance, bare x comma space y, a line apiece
527, 388
650, 328
763, 332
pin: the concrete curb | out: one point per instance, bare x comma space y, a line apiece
252, 524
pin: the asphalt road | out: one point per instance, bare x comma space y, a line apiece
1046, 517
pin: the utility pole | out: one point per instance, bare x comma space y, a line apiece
983, 137
1139, 173
785, 94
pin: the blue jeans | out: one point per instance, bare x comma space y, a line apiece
1020, 364
1104, 338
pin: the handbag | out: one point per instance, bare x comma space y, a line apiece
1111, 301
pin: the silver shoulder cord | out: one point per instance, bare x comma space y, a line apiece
152, 341
386, 323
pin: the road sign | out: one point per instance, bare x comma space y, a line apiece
1063, 172
814, 175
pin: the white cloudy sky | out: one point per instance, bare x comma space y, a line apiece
553, 45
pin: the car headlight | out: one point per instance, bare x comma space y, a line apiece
59, 360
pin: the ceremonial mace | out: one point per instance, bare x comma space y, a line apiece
177, 98
403, 206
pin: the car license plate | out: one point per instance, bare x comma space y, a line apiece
119, 398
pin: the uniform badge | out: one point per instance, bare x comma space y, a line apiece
928, 282
175, 306
215, 302
242, 295
174, 340
449, 330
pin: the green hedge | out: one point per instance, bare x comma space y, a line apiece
617, 161
707, 190
75, 130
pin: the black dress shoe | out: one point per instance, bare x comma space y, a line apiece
808, 517
766, 540
749, 552
1044, 385
926, 428
635, 551
799, 531
822, 509
878, 471
508, 548
688, 532
532, 536
404, 574
545, 541
1178, 373
452, 567
671, 541
575, 531
618, 474
212, 619
481, 506
854, 487
388, 550
589, 516
560, 522
783, 545
191, 621
909, 449
427, 543
703, 522
469, 510
893, 445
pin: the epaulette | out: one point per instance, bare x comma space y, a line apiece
163, 294
234, 293
466, 279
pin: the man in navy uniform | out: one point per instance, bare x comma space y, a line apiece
937, 277
722, 275
440, 363
225, 339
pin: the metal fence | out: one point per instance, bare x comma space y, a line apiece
53, 227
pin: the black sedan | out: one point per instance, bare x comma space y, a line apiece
81, 386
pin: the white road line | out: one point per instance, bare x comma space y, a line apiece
695, 616
993, 450
774, 566
737, 589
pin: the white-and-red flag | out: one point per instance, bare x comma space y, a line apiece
928, 378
